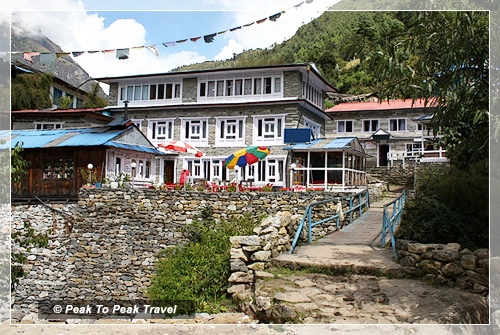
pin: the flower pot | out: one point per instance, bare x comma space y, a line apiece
114, 184
127, 184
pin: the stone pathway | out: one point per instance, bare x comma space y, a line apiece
355, 248
311, 298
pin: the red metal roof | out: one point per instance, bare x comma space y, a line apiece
378, 105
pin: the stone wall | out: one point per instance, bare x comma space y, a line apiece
446, 264
394, 175
112, 249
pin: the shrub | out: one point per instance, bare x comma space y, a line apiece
199, 271
452, 205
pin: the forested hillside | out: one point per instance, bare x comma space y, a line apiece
337, 42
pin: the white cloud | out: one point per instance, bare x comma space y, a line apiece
227, 52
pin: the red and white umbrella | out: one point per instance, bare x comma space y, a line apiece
181, 147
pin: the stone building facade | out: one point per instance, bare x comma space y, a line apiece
393, 133
221, 111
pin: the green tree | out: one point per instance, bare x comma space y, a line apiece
31, 91
444, 57
65, 102
18, 164
93, 100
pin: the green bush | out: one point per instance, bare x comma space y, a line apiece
199, 270
452, 205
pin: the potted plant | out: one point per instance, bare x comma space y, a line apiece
105, 182
126, 180
112, 181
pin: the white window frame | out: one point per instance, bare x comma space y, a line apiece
152, 134
397, 122
55, 125
138, 123
345, 123
202, 141
139, 97
314, 126
240, 121
278, 132
227, 89
371, 130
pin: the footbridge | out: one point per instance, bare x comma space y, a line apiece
358, 246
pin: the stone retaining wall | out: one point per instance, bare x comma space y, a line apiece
112, 249
446, 264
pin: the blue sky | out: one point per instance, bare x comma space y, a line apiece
84, 25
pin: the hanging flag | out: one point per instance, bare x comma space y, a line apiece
309, 1
194, 39
169, 44
233, 29
28, 55
153, 49
261, 21
61, 54
93, 51
274, 17
108, 51
137, 48
209, 38
181, 41
249, 24
77, 53
298, 5
222, 32
122, 53
47, 58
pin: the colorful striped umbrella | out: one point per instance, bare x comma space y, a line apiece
246, 157
181, 147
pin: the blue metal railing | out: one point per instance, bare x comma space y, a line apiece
308, 214
390, 223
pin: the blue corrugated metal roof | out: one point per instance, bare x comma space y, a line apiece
96, 136
134, 147
303, 145
339, 143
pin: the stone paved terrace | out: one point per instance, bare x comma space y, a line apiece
356, 247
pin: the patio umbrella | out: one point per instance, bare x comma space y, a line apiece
246, 157
181, 147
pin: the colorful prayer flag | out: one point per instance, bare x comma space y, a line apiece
153, 49
209, 38
274, 17
28, 55
261, 21
169, 44
77, 53
233, 29
181, 41
248, 24
298, 5
108, 51
47, 58
122, 53
61, 54
194, 39
222, 32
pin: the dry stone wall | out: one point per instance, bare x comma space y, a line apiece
446, 264
112, 249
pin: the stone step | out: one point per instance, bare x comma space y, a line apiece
339, 259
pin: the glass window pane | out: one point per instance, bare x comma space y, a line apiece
238, 87
177, 90
203, 88
277, 85
161, 91
145, 92
130, 92
248, 86
220, 88
229, 88
137, 93
211, 88
152, 92
257, 86
267, 85
169, 91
